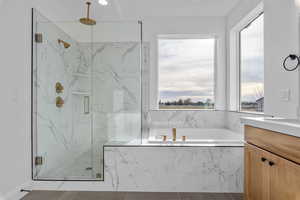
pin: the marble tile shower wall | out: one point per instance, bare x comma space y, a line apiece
109, 73
60, 130
116, 104
165, 169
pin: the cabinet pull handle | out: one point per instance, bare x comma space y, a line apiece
271, 163
263, 159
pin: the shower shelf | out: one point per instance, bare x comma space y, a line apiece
81, 75
81, 93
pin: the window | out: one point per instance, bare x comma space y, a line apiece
186, 73
252, 66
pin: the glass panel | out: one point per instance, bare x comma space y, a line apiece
186, 73
116, 74
86, 93
63, 85
252, 66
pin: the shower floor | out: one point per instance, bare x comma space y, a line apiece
46, 195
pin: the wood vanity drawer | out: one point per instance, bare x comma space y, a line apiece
277, 143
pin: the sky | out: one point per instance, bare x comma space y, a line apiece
252, 61
186, 66
186, 69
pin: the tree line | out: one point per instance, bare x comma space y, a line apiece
186, 102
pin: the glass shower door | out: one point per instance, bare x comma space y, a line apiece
86, 94
62, 80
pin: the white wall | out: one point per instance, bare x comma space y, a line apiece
214, 26
281, 39
240, 11
15, 94
15, 87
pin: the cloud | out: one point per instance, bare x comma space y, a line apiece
186, 67
252, 70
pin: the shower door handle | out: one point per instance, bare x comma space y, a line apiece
86, 105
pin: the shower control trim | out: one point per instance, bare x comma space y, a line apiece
59, 102
59, 88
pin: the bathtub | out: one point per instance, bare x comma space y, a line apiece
196, 136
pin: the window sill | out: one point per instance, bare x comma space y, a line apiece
184, 110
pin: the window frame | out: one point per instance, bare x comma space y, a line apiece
234, 64
240, 65
187, 36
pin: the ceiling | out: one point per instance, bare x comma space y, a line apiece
140, 9
153, 8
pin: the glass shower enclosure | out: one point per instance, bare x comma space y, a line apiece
86, 92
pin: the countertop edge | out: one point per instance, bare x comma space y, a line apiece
283, 128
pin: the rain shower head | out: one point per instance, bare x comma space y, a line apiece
87, 20
65, 44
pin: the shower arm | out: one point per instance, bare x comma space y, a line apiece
88, 9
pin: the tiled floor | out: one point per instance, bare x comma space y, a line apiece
46, 195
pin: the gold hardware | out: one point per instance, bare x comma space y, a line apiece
59, 88
65, 44
87, 20
59, 102
98, 175
38, 37
164, 138
183, 138
38, 160
174, 134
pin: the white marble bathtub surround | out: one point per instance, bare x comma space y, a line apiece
175, 169
165, 169
233, 120
186, 119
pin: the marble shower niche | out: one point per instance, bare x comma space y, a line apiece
100, 75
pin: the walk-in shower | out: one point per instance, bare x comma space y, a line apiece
86, 91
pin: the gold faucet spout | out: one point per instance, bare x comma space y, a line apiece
174, 131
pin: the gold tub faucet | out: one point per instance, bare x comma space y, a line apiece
164, 138
174, 134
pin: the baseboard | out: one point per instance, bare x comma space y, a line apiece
16, 194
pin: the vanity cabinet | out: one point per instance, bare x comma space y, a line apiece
269, 175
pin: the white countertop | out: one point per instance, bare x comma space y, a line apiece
285, 126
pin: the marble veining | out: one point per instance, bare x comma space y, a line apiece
70, 140
233, 121
59, 131
165, 169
